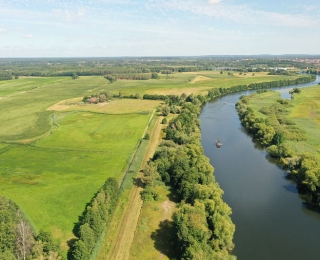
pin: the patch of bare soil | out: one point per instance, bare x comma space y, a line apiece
168, 207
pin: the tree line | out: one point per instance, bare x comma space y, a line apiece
49, 67
203, 224
94, 220
215, 92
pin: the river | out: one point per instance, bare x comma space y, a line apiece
271, 220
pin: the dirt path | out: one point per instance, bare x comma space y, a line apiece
121, 247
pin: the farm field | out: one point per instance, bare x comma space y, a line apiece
20, 86
187, 82
116, 106
53, 179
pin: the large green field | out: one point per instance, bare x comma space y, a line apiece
53, 179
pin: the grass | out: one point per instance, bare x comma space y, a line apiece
304, 111
116, 106
22, 85
179, 83
306, 114
155, 234
265, 99
24, 115
54, 179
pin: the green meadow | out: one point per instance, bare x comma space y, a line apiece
187, 82
304, 111
53, 179
306, 114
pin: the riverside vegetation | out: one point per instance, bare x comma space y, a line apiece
55, 156
290, 131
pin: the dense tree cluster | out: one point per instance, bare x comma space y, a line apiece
94, 220
120, 67
4, 75
17, 238
203, 223
111, 78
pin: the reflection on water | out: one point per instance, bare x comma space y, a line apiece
271, 220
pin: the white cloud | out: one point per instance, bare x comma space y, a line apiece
2, 30
239, 13
28, 36
68, 16
214, 1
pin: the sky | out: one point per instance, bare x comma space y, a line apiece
112, 28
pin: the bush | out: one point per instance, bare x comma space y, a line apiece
148, 194
164, 121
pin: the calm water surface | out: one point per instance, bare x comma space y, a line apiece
271, 221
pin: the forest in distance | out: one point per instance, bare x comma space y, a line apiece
69, 193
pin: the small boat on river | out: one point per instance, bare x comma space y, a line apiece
218, 144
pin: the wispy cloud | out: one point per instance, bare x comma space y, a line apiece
68, 16
239, 13
2, 30
214, 1
28, 36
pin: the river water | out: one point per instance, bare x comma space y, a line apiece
271, 220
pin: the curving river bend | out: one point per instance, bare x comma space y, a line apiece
271, 221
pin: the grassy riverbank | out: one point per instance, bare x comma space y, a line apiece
302, 111
291, 131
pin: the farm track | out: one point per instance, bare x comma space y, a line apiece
122, 243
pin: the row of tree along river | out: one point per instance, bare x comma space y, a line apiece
269, 214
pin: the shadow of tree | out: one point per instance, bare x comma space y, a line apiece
173, 195
165, 238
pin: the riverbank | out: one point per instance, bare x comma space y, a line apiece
271, 221
290, 130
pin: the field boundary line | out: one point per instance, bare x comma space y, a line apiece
121, 246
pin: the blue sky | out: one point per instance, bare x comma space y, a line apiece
107, 28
